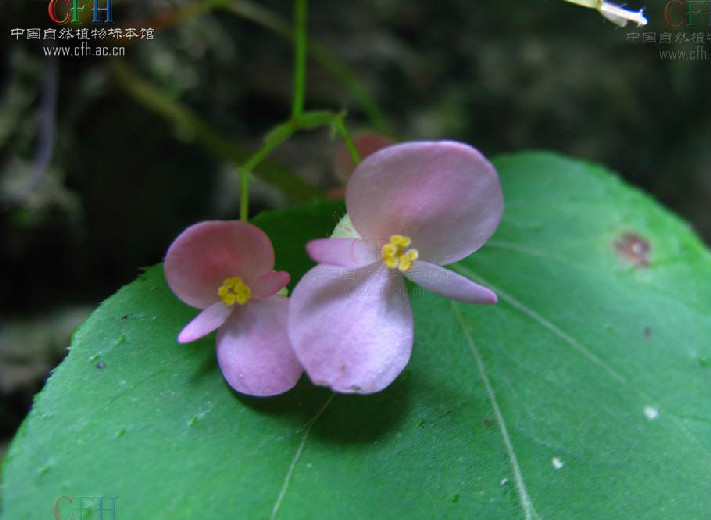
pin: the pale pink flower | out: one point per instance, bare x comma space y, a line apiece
413, 207
226, 268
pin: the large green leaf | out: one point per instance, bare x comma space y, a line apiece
583, 394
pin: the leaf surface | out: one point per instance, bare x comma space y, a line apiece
583, 394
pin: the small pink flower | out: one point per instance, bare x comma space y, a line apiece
413, 207
226, 268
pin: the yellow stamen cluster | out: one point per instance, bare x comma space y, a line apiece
396, 254
234, 290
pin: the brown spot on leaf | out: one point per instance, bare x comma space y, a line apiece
487, 423
634, 249
647, 331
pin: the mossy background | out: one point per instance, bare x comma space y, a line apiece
122, 182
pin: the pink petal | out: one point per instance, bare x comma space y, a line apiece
269, 284
351, 329
443, 281
253, 349
445, 196
366, 143
204, 255
205, 322
342, 252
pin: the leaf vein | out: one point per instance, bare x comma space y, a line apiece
526, 503
576, 345
297, 456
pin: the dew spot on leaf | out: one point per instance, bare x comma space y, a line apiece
651, 413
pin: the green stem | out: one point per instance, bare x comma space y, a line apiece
316, 119
244, 195
271, 141
280, 134
297, 107
258, 15
340, 124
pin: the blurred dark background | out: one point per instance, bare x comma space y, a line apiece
97, 177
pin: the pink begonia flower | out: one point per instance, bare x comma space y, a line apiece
413, 207
226, 268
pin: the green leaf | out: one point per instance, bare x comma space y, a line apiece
583, 394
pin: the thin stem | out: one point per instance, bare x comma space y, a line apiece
255, 13
281, 133
244, 195
267, 19
297, 107
316, 119
273, 139
340, 125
